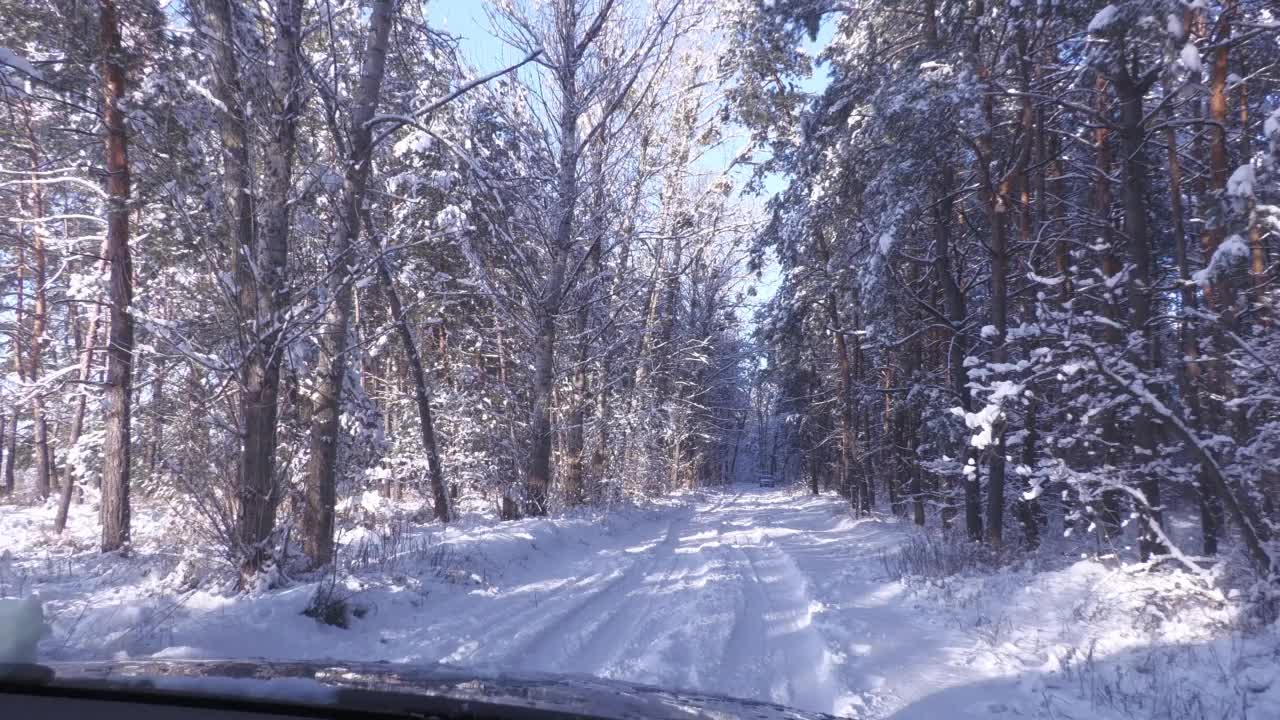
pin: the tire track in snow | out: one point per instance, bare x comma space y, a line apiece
560, 643
606, 645
744, 657
801, 663
711, 602
503, 636
605, 633
679, 618
655, 620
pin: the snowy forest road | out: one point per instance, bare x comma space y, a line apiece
707, 601
755, 593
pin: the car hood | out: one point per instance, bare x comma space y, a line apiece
403, 688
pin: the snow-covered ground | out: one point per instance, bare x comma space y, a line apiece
755, 593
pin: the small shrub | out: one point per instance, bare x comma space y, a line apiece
328, 607
931, 556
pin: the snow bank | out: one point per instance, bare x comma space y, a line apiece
1092, 639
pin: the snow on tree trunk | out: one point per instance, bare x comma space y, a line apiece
317, 517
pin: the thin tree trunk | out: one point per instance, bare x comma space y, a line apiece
916, 474
10, 450
421, 390
539, 466
997, 197
256, 495
1221, 294
548, 306
848, 442
1110, 505
19, 367
89, 344
39, 311
1190, 371
958, 347
1030, 510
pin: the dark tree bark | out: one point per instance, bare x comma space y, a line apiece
260, 275
958, 347
256, 495
1130, 92
115, 447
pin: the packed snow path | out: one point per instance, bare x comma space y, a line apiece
707, 598
751, 592
754, 593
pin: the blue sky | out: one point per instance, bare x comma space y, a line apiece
467, 20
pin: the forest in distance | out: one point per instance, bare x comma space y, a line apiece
1000, 268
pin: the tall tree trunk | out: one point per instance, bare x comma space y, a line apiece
260, 276
1223, 290
1257, 285
1130, 92
569, 48
574, 476
115, 448
39, 310
1109, 510
866, 487
1190, 372
848, 442
997, 197
958, 347
916, 472
321, 483
539, 465
998, 206
19, 367
256, 494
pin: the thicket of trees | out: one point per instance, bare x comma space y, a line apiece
261, 257
1029, 257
